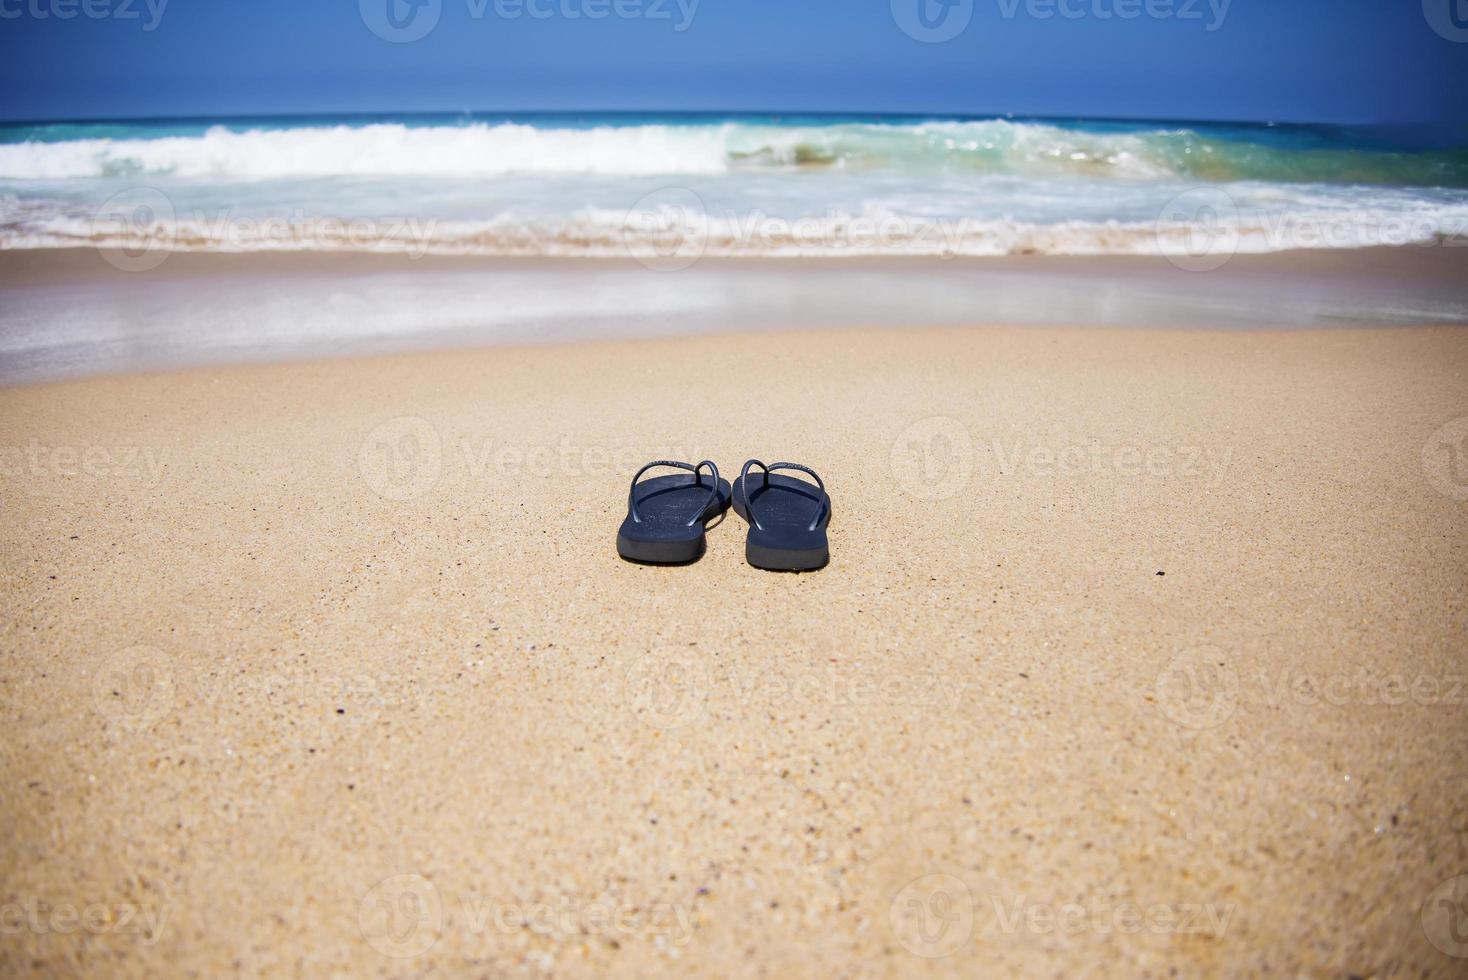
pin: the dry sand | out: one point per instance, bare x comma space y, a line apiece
332, 668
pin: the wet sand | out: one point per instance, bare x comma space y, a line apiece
68, 313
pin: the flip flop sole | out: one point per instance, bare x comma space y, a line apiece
664, 536
782, 558
787, 543
660, 552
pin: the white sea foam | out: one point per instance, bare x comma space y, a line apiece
598, 232
386, 149
729, 188
484, 149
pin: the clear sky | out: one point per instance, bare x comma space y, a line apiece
1379, 61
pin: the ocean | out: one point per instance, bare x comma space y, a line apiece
669, 188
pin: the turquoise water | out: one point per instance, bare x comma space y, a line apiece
566, 184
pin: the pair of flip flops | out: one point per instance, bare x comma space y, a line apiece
787, 517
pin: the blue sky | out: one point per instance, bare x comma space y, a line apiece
1377, 61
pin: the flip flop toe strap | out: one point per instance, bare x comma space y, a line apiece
697, 472
744, 488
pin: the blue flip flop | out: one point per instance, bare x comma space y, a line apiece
666, 514
787, 518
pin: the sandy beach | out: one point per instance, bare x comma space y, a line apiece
1128, 637
1138, 649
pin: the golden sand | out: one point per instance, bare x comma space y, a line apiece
1138, 652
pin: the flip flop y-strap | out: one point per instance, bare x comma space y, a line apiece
697, 479
744, 488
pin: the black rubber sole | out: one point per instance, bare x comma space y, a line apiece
661, 552
785, 544
663, 536
786, 559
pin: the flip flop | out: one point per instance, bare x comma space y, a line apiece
787, 518
666, 514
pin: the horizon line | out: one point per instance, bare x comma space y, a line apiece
724, 113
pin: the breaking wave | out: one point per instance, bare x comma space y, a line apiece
494, 149
736, 187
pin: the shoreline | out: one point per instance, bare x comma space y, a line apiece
68, 313
1424, 264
